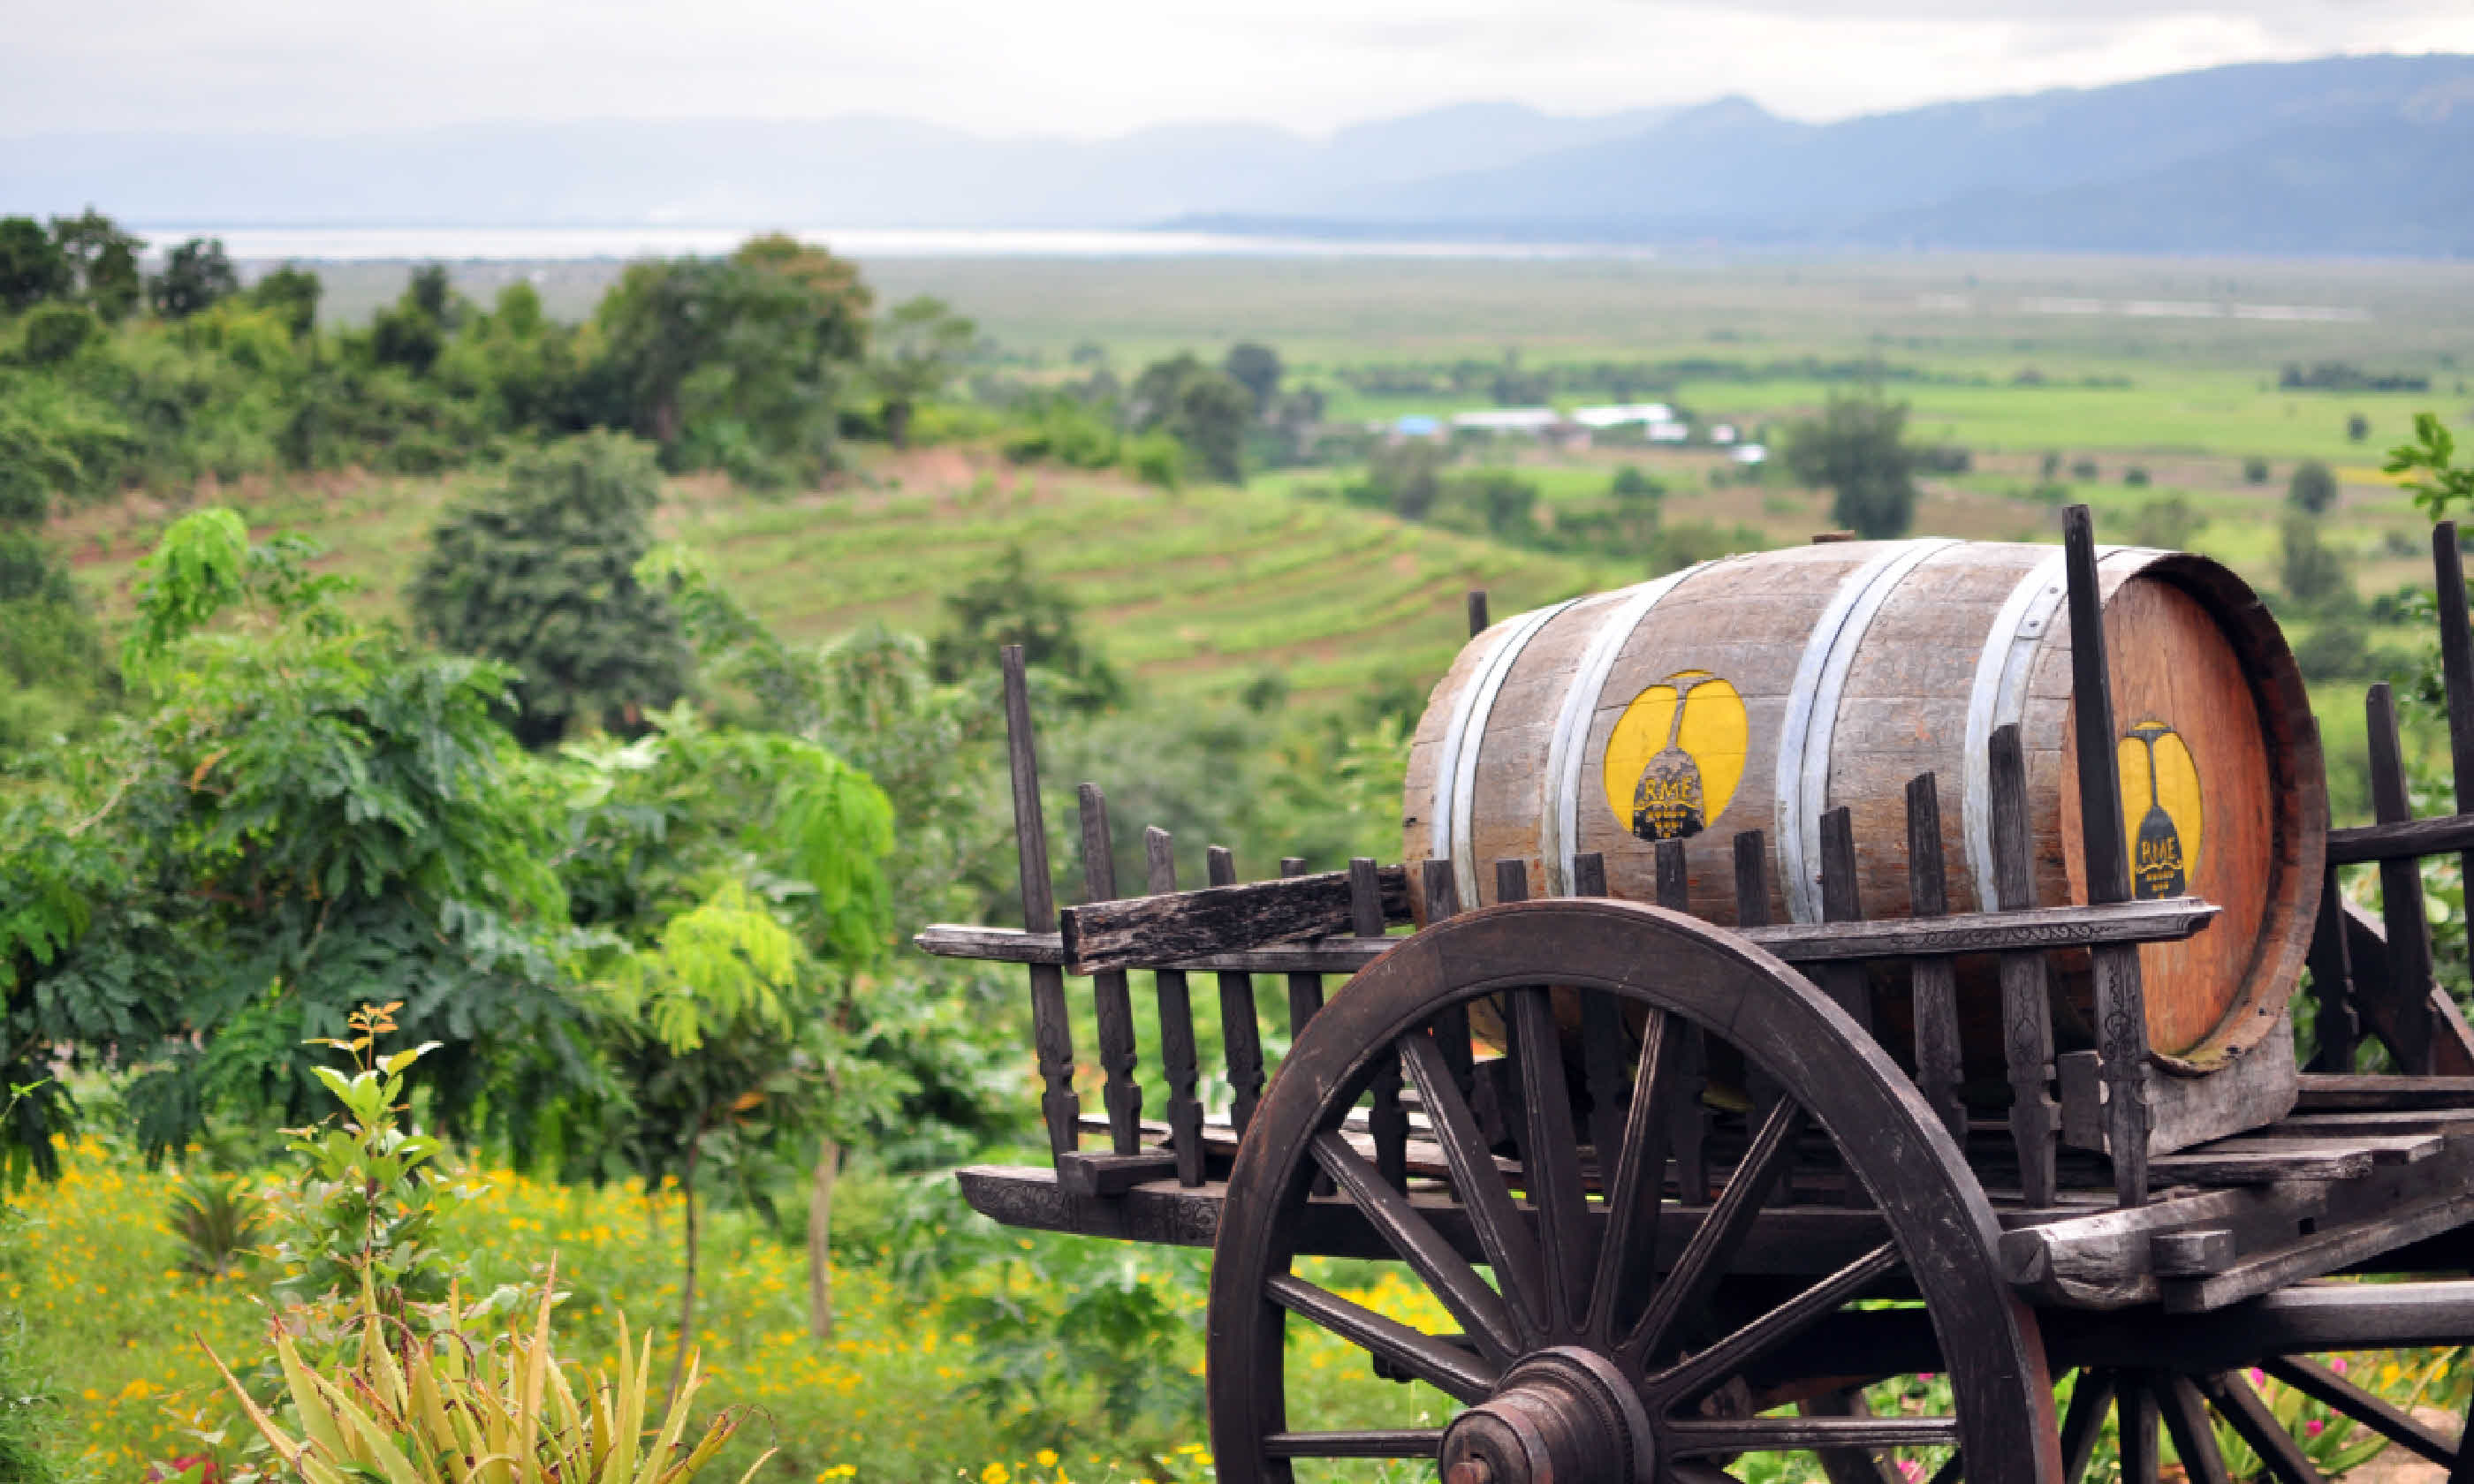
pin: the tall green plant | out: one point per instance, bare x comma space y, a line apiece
539, 572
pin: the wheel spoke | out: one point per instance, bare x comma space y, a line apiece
1687, 1381
1698, 1270
1550, 1159
2090, 1399
2240, 1406
1687, 1439
1431, 1359
2134, 1419
1372, 1443
1501, 1233
1635, 1183
1478, 1307
2195, 1440
2342, 1397
1846, 1464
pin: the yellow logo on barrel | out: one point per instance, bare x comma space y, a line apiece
2160, 803
1676, 755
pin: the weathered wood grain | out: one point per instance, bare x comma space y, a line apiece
1111, 996
1240, 1025
1176, 1005
2407, 927
1171, 927
1051, 1027
2121, 1006
2040, 930
1935, 981
2026, 1007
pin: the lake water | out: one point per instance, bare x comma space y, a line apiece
540, 243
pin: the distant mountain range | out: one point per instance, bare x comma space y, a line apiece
2352, 155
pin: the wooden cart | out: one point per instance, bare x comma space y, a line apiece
1683, 1207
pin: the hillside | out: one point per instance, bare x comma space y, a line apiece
1194, 595
2342, 155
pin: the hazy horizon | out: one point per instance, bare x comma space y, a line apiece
1091, 69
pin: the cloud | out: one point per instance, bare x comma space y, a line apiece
1090, 67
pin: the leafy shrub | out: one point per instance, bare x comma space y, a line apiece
2135, 476
426, 1411
2337, 647
2168, 523
217, 1223
1068, 432
1156, 459
2254, 470
2083, 468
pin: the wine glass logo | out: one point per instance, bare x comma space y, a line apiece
2165, 848
1676, 755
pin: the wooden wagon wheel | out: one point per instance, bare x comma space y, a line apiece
1580, 1363
2154, 1401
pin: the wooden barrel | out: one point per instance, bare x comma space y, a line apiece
1759, 691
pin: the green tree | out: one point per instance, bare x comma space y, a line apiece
293, 294
1404, 477
1011, 605
414, 330
2254, 470
2357, 427
105, 261
919, 347
2168, 523
1205, 410
737, 881
737, 364
1258, 369
2312, 489
196, 276
539, 572
1858, 451
55, 331
2314, 576
308, 815
32, 267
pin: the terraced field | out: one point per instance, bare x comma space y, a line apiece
1195, 593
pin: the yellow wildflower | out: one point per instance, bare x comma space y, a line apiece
995, 1473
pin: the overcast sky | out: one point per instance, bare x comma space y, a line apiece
1091, 67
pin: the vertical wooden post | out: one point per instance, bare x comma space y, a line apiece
2027, 1008
1385, 1119
1306, 991
1844, 983
1112, 1000
1602, 1041
2337, 1025
1240, 1029
1477, 620
1052, 1029
1752, 879
1452, 1026
1936, 984
2401, 909
2120, 1003
2456, 668
1177, 1026
1674, 886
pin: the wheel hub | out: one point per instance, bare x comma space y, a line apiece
1561, 1416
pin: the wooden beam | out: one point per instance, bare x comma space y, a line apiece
2166, 921
1172, 927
